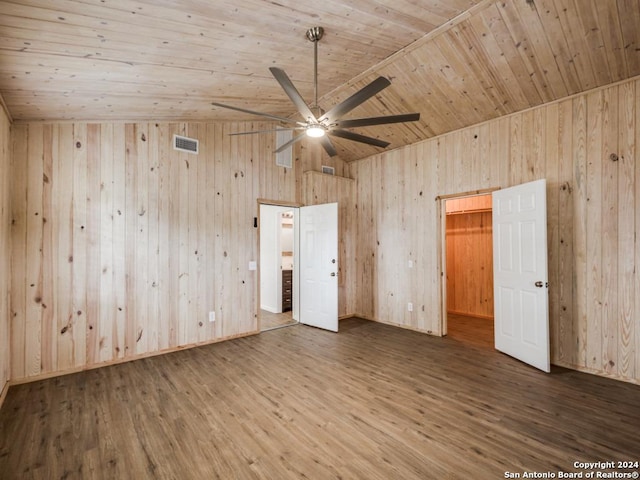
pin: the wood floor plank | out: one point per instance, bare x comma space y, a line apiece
270, 320
373, 401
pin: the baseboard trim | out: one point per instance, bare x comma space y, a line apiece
69, 371
598, 373
467, 314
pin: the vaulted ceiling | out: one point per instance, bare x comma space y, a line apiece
457, 62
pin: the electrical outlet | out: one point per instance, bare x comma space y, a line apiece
410, 263
212, 316
410, 307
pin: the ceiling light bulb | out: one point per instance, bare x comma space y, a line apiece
315, 131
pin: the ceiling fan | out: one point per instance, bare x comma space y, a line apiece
320, 124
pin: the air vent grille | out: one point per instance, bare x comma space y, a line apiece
185, 144
284, 158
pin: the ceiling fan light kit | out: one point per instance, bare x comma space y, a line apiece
322, 124
315, 131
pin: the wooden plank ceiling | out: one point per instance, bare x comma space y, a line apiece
457, 62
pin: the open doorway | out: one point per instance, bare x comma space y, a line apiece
468, 263
278, 258
312, 265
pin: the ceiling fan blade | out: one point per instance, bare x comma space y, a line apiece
328, 146
286, 145
252, 112
365, 122
293, 94
266, 131
356, 137
356, 99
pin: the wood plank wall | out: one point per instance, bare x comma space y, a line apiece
585, 147
320, 188
469, 251
122, 245
312, 157
5, 247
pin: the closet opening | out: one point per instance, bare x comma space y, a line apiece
468, 269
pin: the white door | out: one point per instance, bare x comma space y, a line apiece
520, 273
319, 266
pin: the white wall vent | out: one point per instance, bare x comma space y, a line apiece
284, 158
328, 170
185, 144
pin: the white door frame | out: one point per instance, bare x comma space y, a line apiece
442, 257
296, 274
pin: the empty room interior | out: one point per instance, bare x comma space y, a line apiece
366, 239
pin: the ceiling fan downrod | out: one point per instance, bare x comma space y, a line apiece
314, 35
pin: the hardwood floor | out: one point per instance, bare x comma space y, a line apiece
371, 402
470, 330
270, 320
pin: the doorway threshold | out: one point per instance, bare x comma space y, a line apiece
270, 321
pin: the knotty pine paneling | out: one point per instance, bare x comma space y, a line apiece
469, 250
501, 57
123, 245
457, 62
474, 203
321, 188
311, 157
5, 248
168, 61
585, 147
